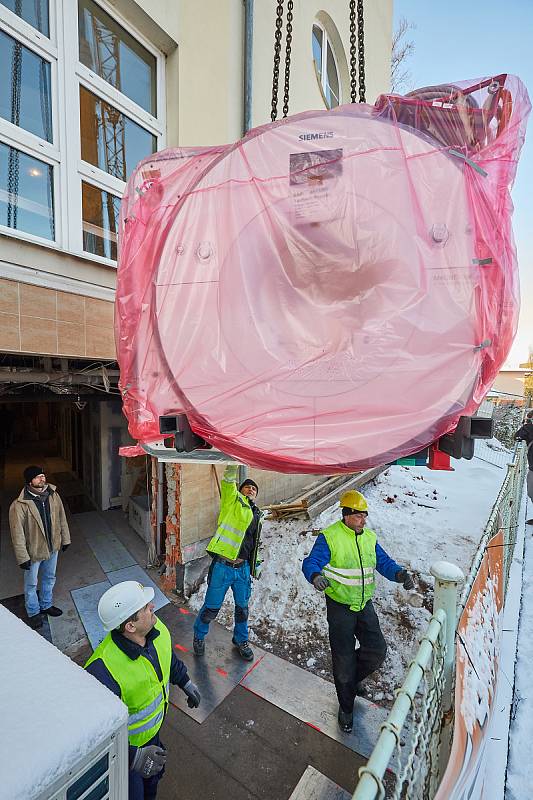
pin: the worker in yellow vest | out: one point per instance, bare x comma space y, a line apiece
342, 564
234, 549
137, 663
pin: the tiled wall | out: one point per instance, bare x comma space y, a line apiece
34, 319
200, 501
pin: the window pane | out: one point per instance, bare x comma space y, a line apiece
25, 97
111, 52
100, 221
332, 87
26, 193
317, 48
109, 139
89, 777
34, 12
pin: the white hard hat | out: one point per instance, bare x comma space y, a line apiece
121, 601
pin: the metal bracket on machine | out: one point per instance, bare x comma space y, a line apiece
182, 446
169, 455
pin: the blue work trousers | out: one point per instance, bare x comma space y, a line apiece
221, 577
140, 788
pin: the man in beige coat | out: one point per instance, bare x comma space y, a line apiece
38, 530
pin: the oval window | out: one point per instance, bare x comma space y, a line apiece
327, 71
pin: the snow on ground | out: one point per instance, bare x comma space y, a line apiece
520, 764
53, 712
420, 516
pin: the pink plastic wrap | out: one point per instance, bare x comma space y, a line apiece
333, 291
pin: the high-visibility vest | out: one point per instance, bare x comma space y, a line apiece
233, 520
350, 571
140, 688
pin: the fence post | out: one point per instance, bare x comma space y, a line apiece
447, 577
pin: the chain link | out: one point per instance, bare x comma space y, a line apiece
13, 157
353, 55
288, 44
361, 49
277, 59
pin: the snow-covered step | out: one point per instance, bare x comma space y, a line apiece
315, 786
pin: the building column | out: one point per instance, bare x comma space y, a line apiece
173, 554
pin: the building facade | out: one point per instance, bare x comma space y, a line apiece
89, 88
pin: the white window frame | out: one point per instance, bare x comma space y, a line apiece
322, 77
64, 152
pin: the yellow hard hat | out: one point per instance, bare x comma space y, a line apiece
353, 499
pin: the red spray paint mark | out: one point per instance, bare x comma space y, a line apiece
313, 726
184, 611
252, 667
182, 648
222, 672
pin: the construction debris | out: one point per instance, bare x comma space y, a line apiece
320, 495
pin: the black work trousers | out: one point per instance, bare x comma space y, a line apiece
350, 666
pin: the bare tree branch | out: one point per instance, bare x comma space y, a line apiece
402, 49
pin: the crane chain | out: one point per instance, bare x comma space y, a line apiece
361, 50
288, 44
353, 55
277, 59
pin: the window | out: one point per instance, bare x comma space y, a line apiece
25, 97
326, 66
34, 12
26, 193
111, 52
79, 108
110, 139
100, 221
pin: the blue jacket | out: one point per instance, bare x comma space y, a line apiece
321, 554
178, 670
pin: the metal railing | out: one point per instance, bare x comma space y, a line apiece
419, 726
504, 515
427, 669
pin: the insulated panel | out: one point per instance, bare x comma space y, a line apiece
86, 601
216, 673
315, 786
313, 700
110, 552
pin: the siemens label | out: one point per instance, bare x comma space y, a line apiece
307, 137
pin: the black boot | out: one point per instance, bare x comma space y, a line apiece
35, 621
53, 611
244, 650
198, 645
345, 720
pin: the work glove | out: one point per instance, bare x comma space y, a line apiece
320, 582
25, 565
149, 760
193, 695
65, 547
402, 576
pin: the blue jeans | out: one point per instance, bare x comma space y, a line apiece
47, 570
220, 578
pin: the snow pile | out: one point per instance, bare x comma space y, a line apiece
53, 713
419, 516
480, 656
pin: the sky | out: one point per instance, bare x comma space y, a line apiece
457, 40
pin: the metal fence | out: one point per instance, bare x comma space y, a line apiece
493, 452
418, 729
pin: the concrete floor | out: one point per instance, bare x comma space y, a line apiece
247, 747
